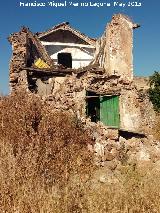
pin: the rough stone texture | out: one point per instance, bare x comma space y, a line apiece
67, 88
141, 83
134, 105
45, 88
110, 73
114, 49
26, 49
19, 59
130, 111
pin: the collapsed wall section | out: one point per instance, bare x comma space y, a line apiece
111, 75
114, 48
26, 49
71, 94
19, 59
68, 89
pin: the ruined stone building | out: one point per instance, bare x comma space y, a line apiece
92, 78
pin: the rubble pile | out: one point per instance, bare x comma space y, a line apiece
115, 148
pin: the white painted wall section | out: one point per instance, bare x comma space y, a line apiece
82, 54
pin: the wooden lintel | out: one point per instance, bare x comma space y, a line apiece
47, 71
102, 95
55, 70
92, 97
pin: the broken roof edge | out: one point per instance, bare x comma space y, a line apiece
35, 40
66, 26
22, 29
91, 68
127, 18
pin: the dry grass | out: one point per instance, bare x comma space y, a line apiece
46, 168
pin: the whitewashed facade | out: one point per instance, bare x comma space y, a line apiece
62, 41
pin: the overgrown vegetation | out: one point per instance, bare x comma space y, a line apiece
45, 166
154, 91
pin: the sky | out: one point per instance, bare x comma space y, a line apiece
88, 20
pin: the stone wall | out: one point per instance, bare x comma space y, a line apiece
110, 73
142, 83
113, 61
134, 105
20, 53
114, 48
26, 48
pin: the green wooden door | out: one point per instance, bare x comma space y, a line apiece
109, 111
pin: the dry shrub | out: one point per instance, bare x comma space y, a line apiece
45, 166
41, 151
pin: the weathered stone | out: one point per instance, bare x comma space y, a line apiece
157, 166
115, 47
99, 149
109, 147
112, 134
110, 164
109, 74
108, 156
115, 153
143, 155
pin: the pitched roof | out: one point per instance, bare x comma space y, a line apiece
67, 27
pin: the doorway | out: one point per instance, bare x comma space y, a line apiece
104, 109
65, 59
109, 111
93, 106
